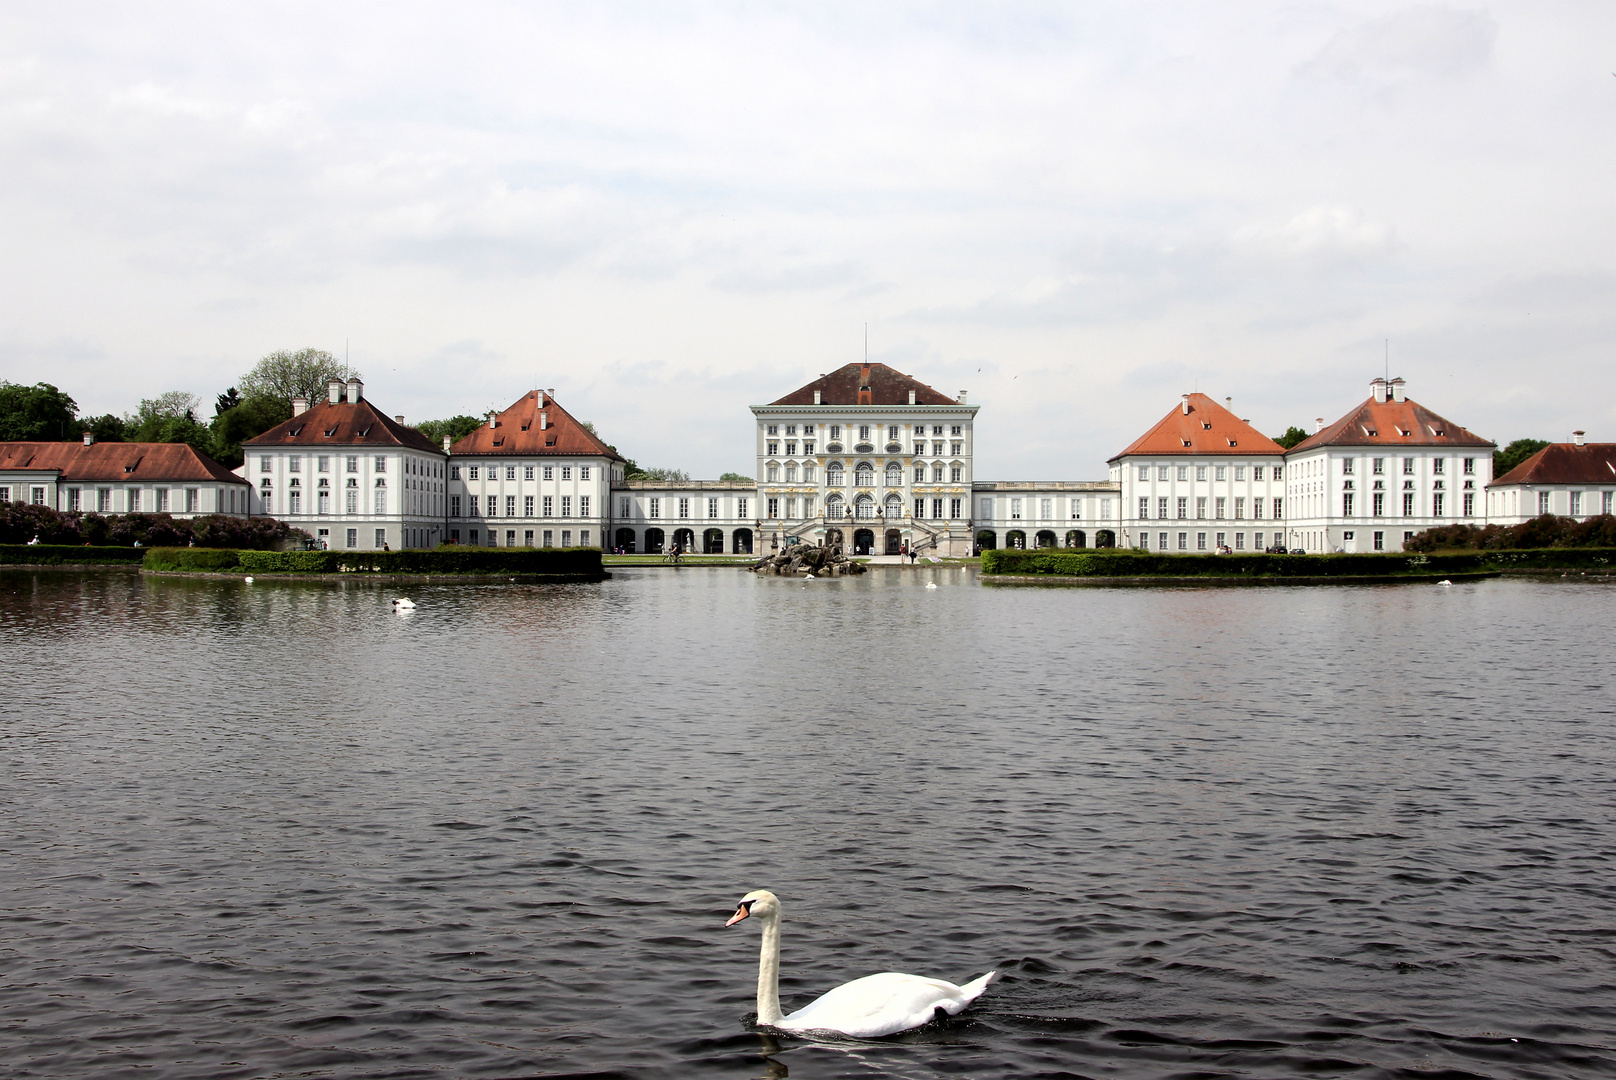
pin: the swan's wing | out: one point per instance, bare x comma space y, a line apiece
878, 1005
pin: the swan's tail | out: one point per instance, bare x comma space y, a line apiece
973, 989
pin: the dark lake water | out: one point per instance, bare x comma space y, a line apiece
278, 830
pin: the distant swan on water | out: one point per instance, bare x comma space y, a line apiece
931, 584
1444, 581
865, 1008
404, 604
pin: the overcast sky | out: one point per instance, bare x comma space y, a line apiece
670, 212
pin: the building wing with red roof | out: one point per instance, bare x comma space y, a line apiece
1571, 479
1200, 427
535, 426
117, 477
866, 384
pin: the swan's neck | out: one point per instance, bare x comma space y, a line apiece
768, 995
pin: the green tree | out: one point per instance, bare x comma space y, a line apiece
1292, 436
286, 375
665, 476
456, 428
40, 413
109, 427
226, 401
253, 415
735, 478
1515, 453
169, 418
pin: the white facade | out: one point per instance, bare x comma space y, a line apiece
523, 501
1061, 513
1575, 480
119, 478
708, 517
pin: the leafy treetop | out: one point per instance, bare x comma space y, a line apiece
39, 413
1515, 453
286, 375
1292, 436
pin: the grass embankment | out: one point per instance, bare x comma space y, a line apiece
1256, 566
68, 554
572, 564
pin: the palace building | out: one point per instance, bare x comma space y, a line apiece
1575, 479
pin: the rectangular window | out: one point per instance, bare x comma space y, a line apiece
740, 507
1240, 541
1144, 472
527, 507
1218, 507
1380, 541
264, 464
72, 498
549, 538
1469, 466
1576, 503
1183, 541
1183, 472
1256, 508
1161, 472
1278, 507
1346, 504
712, 508
1439, 466
684, 508
1256, 472
987, 507
103, 499
566, 472
471, 472
1218, 471
1279, 474
510, 506
381, 500
454, 472
190, 500
294, 463
1604, 501
1144, 507
1161, 506
1436, 503
527, 538
1161, 542
353, 538
134, 498
583, 506
549, 473
937, 508
1200, 507
1379, 504
954, 506
294, 501
381, 538
1046, 509
1408, 504
624, 508
1256, 541
1346, 466
566, 506
1222, 541
774, 508
566, 537
1378, 467
1200, 472
1200, 541
920, 508
381, 464
1183, 506
1470, 504
1239, 472
454, 505
351, 501
548, 506
1408, 466
1239, 507
1015, 509
527, 474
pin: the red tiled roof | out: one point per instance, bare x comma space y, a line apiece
517, 433
356, 423
118, 462
866, 384
1391, 423
1207, 429
1565, 463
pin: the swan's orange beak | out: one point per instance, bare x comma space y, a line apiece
740, 913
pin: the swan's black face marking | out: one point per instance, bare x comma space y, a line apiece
741, 911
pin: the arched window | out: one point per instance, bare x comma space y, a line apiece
864, 507
833, 507
864, 476
835, 476
894, 507
894, 474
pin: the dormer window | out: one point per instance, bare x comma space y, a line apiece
1206, 425
1186, 443
1233, 443
295, 431
330, 431
364, 431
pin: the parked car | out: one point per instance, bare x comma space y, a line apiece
1277, 549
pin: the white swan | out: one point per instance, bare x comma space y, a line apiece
865, 1008
406, 604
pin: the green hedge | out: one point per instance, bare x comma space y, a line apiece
570, 562
1123, 562
57, 554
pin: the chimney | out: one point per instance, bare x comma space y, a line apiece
356, 390
1377, 386
446, 444
1397, 390
398, 419
1318, 424
1576, 438
551, 392
493, 420
89, 438
1228, 403
540, 395
962, 397
1184, 404
816, 397
334, 388
300, 405
544, 421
